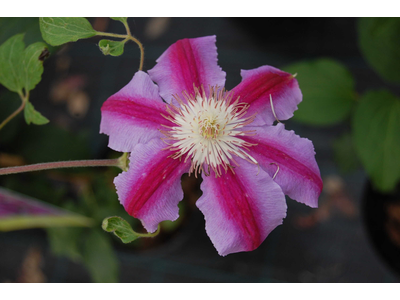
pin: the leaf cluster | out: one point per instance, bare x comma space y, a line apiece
21, 70
58, 31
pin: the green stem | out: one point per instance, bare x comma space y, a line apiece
19, 109
149, 234
61, 164
121, 36
127, 36
128, 31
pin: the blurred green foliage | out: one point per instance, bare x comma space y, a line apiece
345, 153
13, 26
329, 98
376, 134
328, 90
379, 40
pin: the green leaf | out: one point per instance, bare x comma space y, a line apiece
345, 154
379, 41
120, 228
33, 116
11, 56
328, 91
113, 48
121, 19
32, 65
58, 31
19, 67
99, 257
376, 135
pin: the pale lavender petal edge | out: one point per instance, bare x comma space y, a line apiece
291, 158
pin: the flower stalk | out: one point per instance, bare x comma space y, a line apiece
63, 164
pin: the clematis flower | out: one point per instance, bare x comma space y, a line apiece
188, 123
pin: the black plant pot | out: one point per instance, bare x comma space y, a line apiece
382, 219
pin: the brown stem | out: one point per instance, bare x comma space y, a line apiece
141, 51
61, 164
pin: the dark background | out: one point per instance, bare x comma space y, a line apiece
328, 244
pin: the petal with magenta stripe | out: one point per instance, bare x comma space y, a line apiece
256, 87
133, 115
241, 208
291, 157
151, 189
188, 62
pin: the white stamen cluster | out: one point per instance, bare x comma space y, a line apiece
208, 130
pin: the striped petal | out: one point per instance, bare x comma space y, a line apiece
151, 189
256, 87
298, 173
188, 62
133, 115
241, 209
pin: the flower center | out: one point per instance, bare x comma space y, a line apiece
208, 130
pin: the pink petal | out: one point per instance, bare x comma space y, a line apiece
241, 209
133, 115
298, 174
187, 62
256, 87
151, 189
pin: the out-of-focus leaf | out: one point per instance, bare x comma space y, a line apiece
15, 25
99, 257
33, 116
376, 136
58, 31
328, 91
113, 48
64, 241
21, 212
37, 185
345, 153
380, 44
51, 143
121, 19
120, 228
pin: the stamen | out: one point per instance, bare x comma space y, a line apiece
272, 107
277, 170
208, 127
